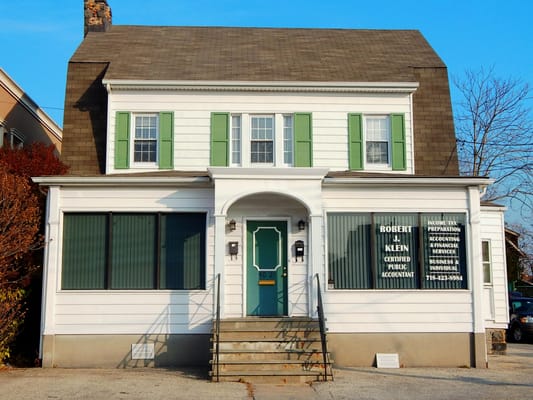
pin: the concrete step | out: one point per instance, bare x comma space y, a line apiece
260, 333
269, 345
272, 377
268, 324
269, 350
271, 365
245, 355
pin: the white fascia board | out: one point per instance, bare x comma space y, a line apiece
268, 173
409, 181
116, 181
371, 87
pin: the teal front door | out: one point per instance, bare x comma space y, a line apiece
266, 292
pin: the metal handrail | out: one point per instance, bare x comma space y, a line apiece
217, 329
322, 325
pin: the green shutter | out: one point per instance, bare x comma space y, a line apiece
220, 139
355, 141
303, 140
166, 140
122, 135
398, 142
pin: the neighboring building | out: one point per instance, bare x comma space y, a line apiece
518, 275
21, 120
197, 151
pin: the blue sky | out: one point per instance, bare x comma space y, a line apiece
37, 38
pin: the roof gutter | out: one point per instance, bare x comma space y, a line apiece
409, 181
274, 86
120, 181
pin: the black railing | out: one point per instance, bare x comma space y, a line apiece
217, 330
322, 325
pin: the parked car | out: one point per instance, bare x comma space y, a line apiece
520, 317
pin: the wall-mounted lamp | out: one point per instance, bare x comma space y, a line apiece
301, 225
232, 225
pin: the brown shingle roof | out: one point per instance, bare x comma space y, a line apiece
258, 54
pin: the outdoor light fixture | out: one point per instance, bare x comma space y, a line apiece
232, 225
301, 225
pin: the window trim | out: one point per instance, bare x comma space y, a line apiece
144, 164
488, 262
368, 166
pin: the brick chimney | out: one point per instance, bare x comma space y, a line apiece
97, 16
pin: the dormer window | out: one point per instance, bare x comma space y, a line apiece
146, 127
262, 140
377, 129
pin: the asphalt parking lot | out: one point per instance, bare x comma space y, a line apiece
508, 377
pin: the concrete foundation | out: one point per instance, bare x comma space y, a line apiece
414, 349
114, 351
347, 349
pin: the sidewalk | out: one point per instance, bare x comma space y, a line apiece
508, 377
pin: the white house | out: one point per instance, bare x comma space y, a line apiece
268, 157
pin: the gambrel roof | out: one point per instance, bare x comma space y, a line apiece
285, 55
258, 54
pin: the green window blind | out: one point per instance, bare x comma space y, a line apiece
303, 140
131, 251
399, 162
220, 139
182, 251
396, 251
122, 136
166, 140
349, 257
355, 141
84, 251
133, 243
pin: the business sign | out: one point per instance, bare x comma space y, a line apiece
444, 251
399, 263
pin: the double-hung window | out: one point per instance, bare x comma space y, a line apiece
256, 140
377, 143
262, 139
145, 140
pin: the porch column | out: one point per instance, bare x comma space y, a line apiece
50, 271
476, 280
220, 236
316, 260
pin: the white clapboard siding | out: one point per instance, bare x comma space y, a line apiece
124, 199
492, 229
392, 199
133, 312
398, 311
192, 113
